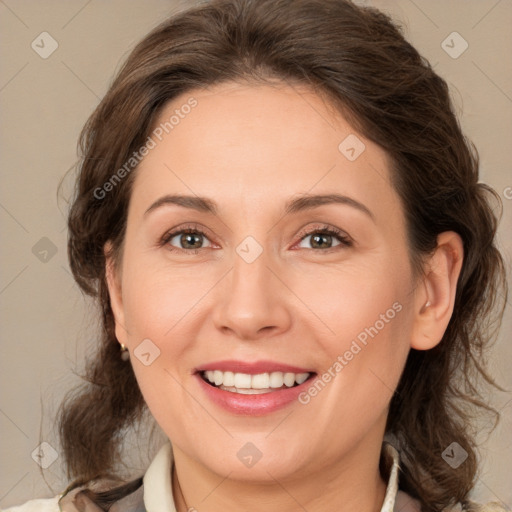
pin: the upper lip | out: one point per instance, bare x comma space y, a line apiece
251, 368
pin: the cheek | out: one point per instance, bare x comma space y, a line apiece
354, 299
157, 308
157, 299
366, 322
160, 309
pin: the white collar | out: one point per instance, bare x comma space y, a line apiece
157, 482
158, 488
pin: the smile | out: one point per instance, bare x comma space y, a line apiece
252, 388
247, 384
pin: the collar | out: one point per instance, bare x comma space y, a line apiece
158, 489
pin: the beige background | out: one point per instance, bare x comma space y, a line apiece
44, 103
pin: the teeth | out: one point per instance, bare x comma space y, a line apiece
289, 379
228, 379
301, 377
250, 384
242, 381
217, 377
260, 381
276, 380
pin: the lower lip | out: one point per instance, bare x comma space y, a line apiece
253, 405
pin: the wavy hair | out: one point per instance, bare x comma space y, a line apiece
358, 58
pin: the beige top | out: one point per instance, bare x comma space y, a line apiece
155, 495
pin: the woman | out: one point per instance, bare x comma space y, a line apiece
282, 223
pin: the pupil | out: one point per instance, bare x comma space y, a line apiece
321, 237
188, 237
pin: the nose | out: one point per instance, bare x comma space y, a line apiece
252, 301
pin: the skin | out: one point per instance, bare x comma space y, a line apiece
250, 148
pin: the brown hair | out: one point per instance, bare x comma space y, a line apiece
358, 58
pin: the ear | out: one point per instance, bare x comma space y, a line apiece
435, 294
113, 277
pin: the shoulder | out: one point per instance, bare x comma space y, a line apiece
41, 505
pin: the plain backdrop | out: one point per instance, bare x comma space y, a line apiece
46, 325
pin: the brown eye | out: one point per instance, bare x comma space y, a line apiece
321, 241
326, 238
186, 240
189, 240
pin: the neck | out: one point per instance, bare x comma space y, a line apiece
352, 483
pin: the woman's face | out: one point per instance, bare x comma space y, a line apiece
257, 285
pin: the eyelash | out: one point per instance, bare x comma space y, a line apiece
344, 240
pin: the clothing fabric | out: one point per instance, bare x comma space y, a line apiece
155, 494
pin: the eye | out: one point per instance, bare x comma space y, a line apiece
190, 239
187, 239
323, 238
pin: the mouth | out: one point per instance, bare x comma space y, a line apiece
254, 384
253, 388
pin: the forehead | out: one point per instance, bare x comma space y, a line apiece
256, 145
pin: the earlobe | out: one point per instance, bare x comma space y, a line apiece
435, 297
114, 289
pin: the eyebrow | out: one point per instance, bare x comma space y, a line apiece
308, 202
301, 203
201, 204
